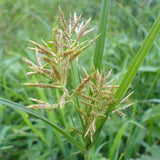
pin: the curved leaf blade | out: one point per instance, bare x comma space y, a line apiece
133, 69
56, 127
138, 60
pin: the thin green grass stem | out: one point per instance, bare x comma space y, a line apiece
103, 20
138, 60
87, 155
76, 98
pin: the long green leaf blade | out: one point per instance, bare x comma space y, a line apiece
133, 69
136, 22
138, 60
27, 121
117, 142
118, 137
105, 8
56, 127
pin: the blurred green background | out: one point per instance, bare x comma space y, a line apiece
129, 23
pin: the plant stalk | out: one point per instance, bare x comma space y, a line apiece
103, 21
87, 155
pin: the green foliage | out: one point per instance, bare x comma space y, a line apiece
154, 153
128, 24
17, 106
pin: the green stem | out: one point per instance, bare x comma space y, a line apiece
87, 155
103, 21
76, 98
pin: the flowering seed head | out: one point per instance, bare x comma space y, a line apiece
96, 91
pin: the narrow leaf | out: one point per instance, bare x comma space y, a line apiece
133, 69
138, 60
105, 8
117, 142
25, 118
56, 127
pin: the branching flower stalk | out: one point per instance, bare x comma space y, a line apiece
54, 61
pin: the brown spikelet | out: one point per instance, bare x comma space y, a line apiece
87, 104
81, 86
37, 106
89, 98
31, 73
126, 98
53, 67
63, 23
45, 44
67, 53
62, 18
82, 30
77, 131
87, 32
43, 49
38, 58
95, 88
82, 49
28, 62
62, 100
38, 101
41, 85
75, 23
41, 70
85, 72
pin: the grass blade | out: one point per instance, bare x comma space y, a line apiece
133, 69
138, 60
105, 8
57, 128
138, 24
118, 137
27, 121
117, 142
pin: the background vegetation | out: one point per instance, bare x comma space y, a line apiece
129, 23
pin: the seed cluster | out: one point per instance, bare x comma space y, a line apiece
54, 60
95, 99
55, 57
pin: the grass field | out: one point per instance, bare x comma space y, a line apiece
131, 137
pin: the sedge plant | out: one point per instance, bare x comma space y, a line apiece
97, 96
96, 90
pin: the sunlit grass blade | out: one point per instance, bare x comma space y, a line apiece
117, 142
138, 60
57, 128
119, 137
105, 8
57, 136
